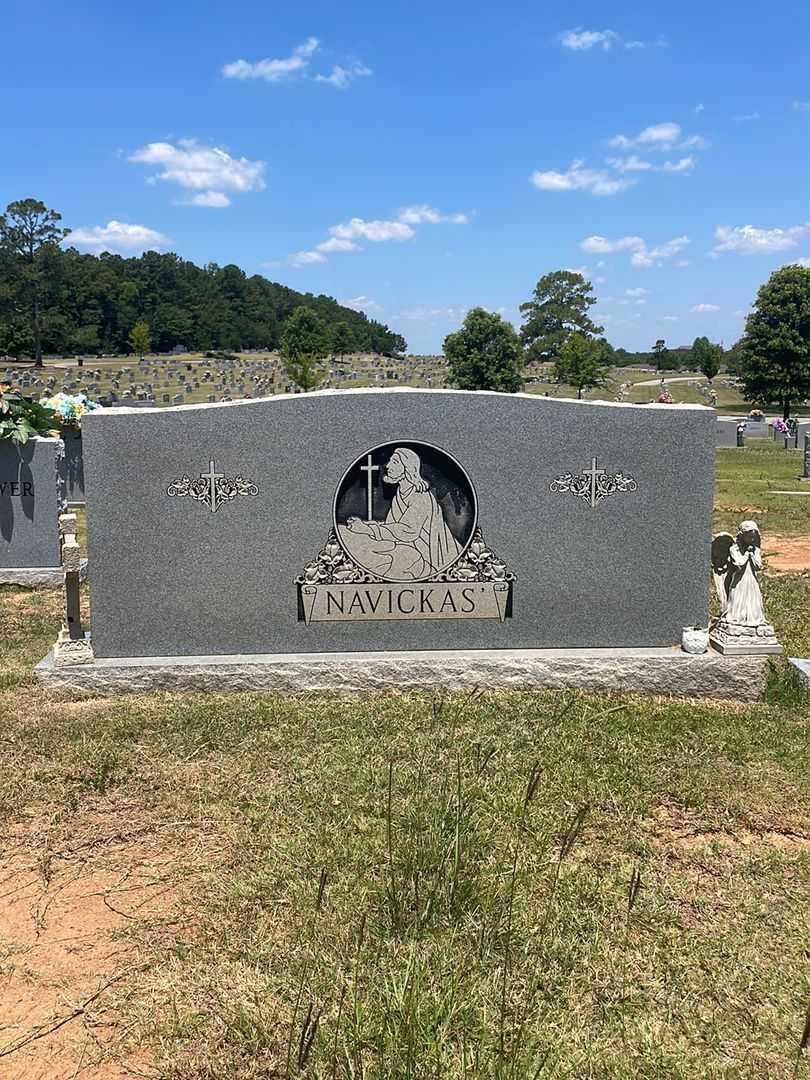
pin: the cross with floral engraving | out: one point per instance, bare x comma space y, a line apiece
593, 484
213, 489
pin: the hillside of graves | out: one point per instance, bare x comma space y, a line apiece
489, 884
190, 378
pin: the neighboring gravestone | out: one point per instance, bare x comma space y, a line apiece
31, 498
71, 467
726, 432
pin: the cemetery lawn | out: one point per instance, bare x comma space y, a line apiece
744, 480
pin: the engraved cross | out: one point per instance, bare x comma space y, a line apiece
369, 470
212, 478
593, 475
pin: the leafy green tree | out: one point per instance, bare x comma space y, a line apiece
706, 357
395, 344
662, 357
342, 341
485, 354
558, 308
581, 362
304, 341
30, 235
140, 340
775, 348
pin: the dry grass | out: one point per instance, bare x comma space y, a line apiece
502, 885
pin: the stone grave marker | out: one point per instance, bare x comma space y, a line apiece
31, 499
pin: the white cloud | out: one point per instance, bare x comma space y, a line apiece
211, 198
656, 136
341, 78
345, 236
630, 164
599, 245
642, 256
336, 244
427, 215
274, 70
578, 178
684, 164
117, 236
805, 262
671, 318
747, 117
703, 308
306, 258
361, 303
748, 240
801, 106
698, 109
209, 170
665, 136
580, 40
374, 231
637, 292
646, 257
660, 43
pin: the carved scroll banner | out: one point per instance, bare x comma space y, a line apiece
443, 600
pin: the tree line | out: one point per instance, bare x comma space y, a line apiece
772, 358
53, 299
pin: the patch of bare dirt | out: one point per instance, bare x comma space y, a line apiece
787, 552
74, 911
676, 827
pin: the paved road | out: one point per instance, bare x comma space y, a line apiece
678, 378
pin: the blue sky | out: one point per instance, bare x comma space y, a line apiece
417, 160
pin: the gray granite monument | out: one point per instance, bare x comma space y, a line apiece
31, 498
259, 542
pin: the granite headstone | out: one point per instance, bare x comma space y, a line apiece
369, 520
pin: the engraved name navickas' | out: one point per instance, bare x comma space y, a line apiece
369, 569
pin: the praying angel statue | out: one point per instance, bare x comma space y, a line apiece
742, 625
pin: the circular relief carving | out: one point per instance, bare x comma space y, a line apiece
405, 511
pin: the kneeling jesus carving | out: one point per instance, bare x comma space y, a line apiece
414, 542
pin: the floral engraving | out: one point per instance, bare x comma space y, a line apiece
212, 489
332, 566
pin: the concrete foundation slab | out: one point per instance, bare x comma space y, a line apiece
658, 671
38, 577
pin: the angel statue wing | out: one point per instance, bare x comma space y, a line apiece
721, 564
